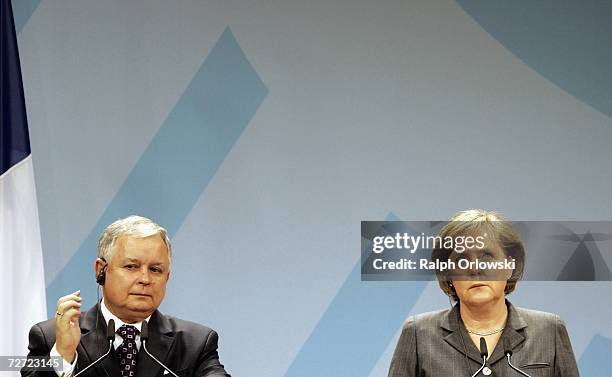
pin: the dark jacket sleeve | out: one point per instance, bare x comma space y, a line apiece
208, 359
38, 346
404, 361
565, 363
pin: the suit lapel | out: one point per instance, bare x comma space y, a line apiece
457, 336
159, 344
94, 344
513, 334
455, 328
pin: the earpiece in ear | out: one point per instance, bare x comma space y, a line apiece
101, 278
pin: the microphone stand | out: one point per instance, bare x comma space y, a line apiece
144, 337
110, 337
484, 353
508, 352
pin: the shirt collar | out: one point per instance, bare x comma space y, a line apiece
108, 315
450, 321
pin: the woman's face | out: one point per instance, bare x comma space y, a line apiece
481, 286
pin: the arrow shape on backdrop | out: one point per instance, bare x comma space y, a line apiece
567, 42
586, 263
593, 362
22, 11
357, 326
181, 159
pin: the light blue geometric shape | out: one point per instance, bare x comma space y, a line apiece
357, 327
22, 11
181, 159
594, 360
566, 41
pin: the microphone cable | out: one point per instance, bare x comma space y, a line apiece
484, 353
144, 338
508, 353
110, 337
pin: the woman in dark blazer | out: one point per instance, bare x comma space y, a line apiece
447, 343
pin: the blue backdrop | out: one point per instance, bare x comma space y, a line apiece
261, 133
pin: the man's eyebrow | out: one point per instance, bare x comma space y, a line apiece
135, 260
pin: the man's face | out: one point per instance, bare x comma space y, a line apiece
136, 277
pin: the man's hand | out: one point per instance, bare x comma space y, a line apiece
67, 330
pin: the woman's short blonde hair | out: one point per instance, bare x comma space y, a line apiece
478, 221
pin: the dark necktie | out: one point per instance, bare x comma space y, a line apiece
127, 351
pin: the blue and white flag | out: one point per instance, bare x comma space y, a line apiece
22, 279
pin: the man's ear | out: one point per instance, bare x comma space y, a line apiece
99, 265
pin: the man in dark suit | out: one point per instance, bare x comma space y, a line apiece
133, 268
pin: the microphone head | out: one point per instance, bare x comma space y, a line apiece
507, 348
144, 331
483, 347
110, 330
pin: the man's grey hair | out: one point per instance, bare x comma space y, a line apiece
133, 226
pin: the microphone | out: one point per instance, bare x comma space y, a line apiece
508, 353
144, 337
110, 337
484, 353
483, 348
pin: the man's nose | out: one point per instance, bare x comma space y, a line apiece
145, 277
